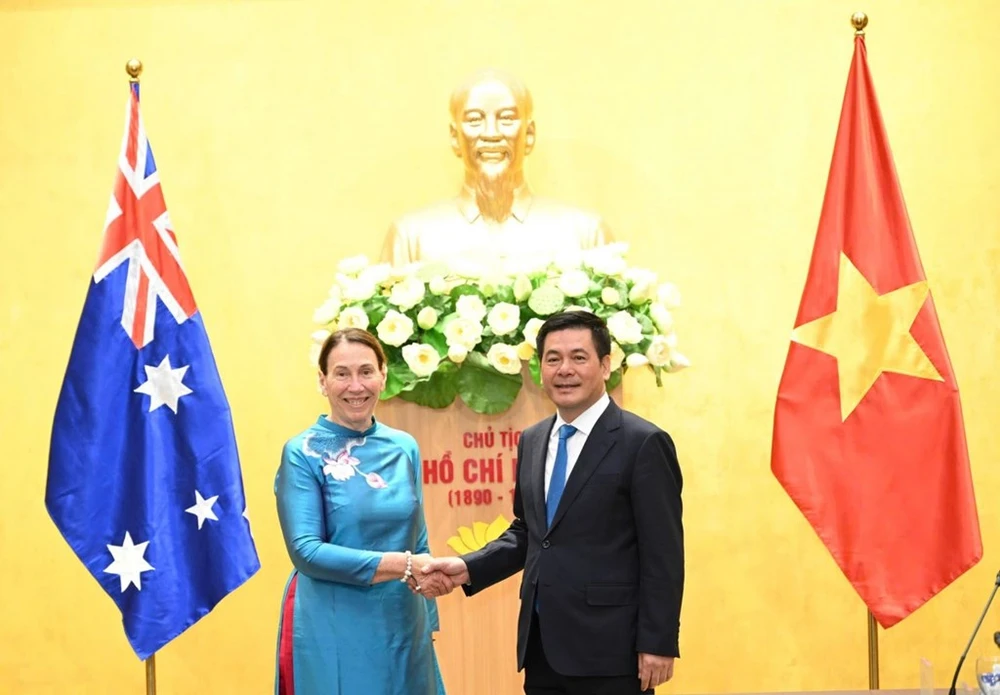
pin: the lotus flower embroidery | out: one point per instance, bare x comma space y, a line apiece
341, 465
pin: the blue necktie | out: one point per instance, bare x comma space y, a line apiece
558, 481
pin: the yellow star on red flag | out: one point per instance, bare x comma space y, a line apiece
869, 334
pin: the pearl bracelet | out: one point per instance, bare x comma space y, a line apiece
408, 573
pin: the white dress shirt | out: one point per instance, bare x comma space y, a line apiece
584, 425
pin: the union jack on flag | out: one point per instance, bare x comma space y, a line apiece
137, 230
144, 478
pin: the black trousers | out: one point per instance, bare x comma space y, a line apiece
540, 679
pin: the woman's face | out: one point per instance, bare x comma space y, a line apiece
352, 384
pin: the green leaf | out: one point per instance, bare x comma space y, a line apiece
505, 294
614, 380
437, 341
437, 392
535, 369
466, 289
375, 316
484, 389
647, 324
399, 378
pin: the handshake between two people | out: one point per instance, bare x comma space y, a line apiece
437, 576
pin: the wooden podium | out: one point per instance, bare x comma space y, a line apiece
469, 461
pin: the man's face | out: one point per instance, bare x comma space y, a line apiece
491, 133
572, 375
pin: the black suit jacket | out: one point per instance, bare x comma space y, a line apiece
609, 573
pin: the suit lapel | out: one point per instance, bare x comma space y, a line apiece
599, 443
537, 453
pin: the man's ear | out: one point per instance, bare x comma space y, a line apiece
529, 137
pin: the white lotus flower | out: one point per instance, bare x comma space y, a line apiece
457, 353
353, 265
407, 294
642, 291
658, 352
504, 318
610, 296
662, 317
605, 260
398, 273
353, 317
358, 290
625, 328
437, 285
395, 329
491, 282
574, 283
531, 330
470, 306
327, 311
636, 359
376, 274
522, 288
427, 318
421, 358
463, 332
678, 362
320, 336
504, 359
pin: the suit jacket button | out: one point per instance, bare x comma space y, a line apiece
545, 544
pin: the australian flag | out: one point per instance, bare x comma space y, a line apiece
144, 478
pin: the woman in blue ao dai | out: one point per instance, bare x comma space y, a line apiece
350, 505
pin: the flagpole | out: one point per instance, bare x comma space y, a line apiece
872, 652
134, 68
151, 675
859, 20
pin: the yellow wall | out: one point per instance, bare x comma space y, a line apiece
288, 134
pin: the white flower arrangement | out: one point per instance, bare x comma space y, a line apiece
461, 330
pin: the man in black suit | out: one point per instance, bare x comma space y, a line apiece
597, 531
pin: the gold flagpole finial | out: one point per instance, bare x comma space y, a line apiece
134, 69
859, 20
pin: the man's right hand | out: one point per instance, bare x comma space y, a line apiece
453, 568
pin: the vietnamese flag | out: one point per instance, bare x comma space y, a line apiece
868, 435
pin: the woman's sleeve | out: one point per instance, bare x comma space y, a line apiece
299, 495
